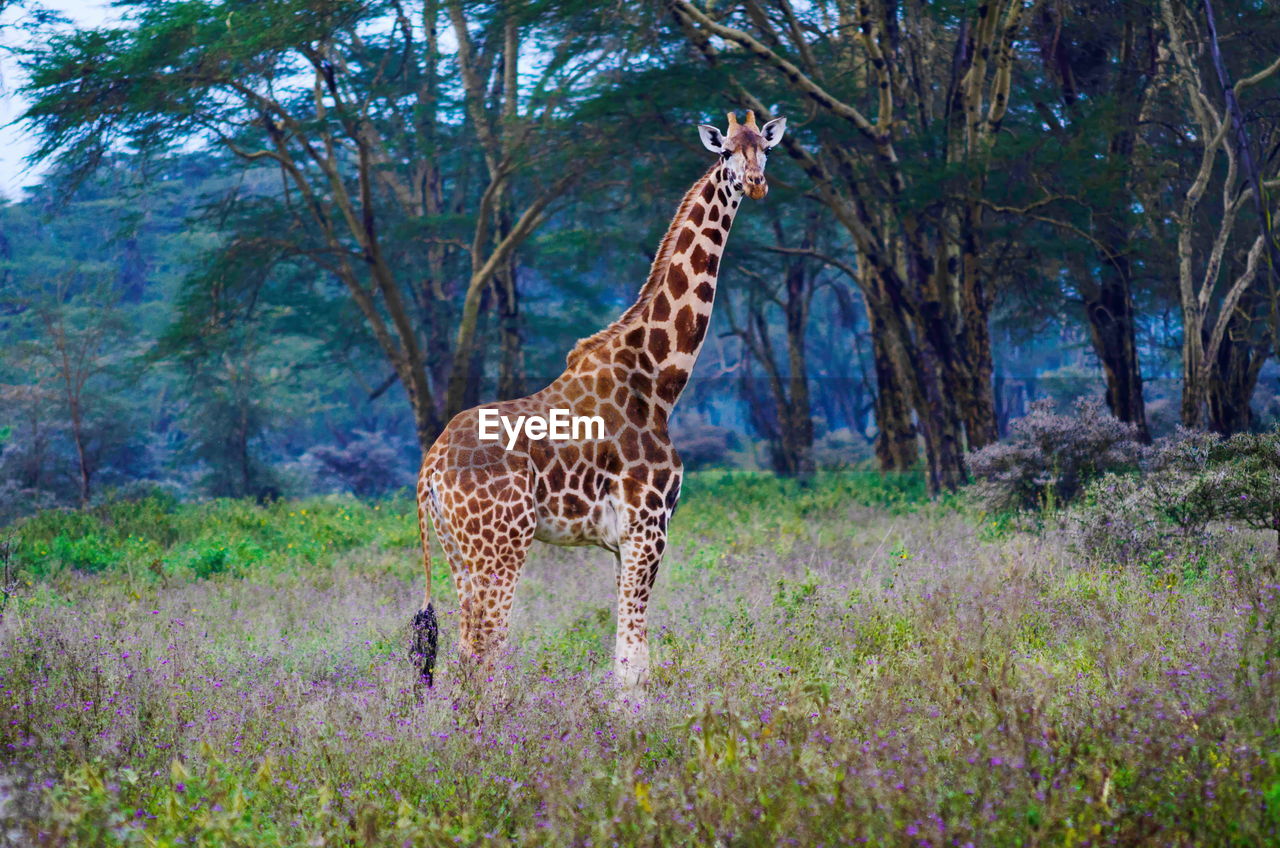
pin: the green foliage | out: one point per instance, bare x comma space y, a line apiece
158, 536
1244, 477
1049, 457
1175, 510
162, 535
885, 677
750, 492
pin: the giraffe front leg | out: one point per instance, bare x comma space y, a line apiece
638, 560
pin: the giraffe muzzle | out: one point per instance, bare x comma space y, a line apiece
757, 190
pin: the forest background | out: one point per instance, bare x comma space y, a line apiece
275, 245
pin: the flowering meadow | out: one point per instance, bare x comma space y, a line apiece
838, 663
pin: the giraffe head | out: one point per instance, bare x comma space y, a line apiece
743, 147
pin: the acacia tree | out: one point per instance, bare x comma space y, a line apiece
73, 345
239, 359
350, 104
1216, 275
902, 162
787, 419
1099, 65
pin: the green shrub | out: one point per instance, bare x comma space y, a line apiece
749, 491
159, 535
1245, 479
1192, 481
1049, 458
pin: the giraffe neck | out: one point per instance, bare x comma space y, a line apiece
652, 348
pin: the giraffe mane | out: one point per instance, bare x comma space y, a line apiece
657, 273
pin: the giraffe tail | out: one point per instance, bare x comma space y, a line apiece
426, 640
426, 629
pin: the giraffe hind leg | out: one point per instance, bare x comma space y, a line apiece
494, 558
486, 542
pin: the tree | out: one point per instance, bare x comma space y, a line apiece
71, 346
1204, 247
901, 159
787, 420
238, 364
348, 103
1099, 65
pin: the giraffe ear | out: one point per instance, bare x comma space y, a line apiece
772, 131
711, 138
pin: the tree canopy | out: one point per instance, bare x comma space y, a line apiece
292, 222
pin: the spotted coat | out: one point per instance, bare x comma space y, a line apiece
489, 503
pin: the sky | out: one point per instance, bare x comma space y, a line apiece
15, 142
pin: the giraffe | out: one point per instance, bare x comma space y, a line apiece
488, 502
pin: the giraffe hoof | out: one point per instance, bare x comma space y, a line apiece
631, 679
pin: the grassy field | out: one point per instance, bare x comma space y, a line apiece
844, 663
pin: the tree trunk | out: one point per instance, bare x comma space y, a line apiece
77, 433
426, 420
896, 445
943, 432
1193, 388
980, 424
1111, 315
243, 457
946, 378
468, 352
511, 376
73, 382
471, 387
1235, 376
929, 371
798, 426
1108, 308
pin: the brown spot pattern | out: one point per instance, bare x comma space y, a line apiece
678, 280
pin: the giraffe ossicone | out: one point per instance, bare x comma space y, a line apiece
489, 499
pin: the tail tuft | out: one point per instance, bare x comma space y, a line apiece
426, 639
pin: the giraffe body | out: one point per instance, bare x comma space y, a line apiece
489, 503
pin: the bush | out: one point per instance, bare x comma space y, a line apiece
157, 535
1132, 519
1191, 480
1244, 477
370, 465
702, 444
839, 449
1049, 458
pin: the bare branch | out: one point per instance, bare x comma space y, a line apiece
793, 74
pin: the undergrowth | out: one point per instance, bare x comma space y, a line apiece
838, 663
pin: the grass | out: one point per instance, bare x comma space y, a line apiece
838, 663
